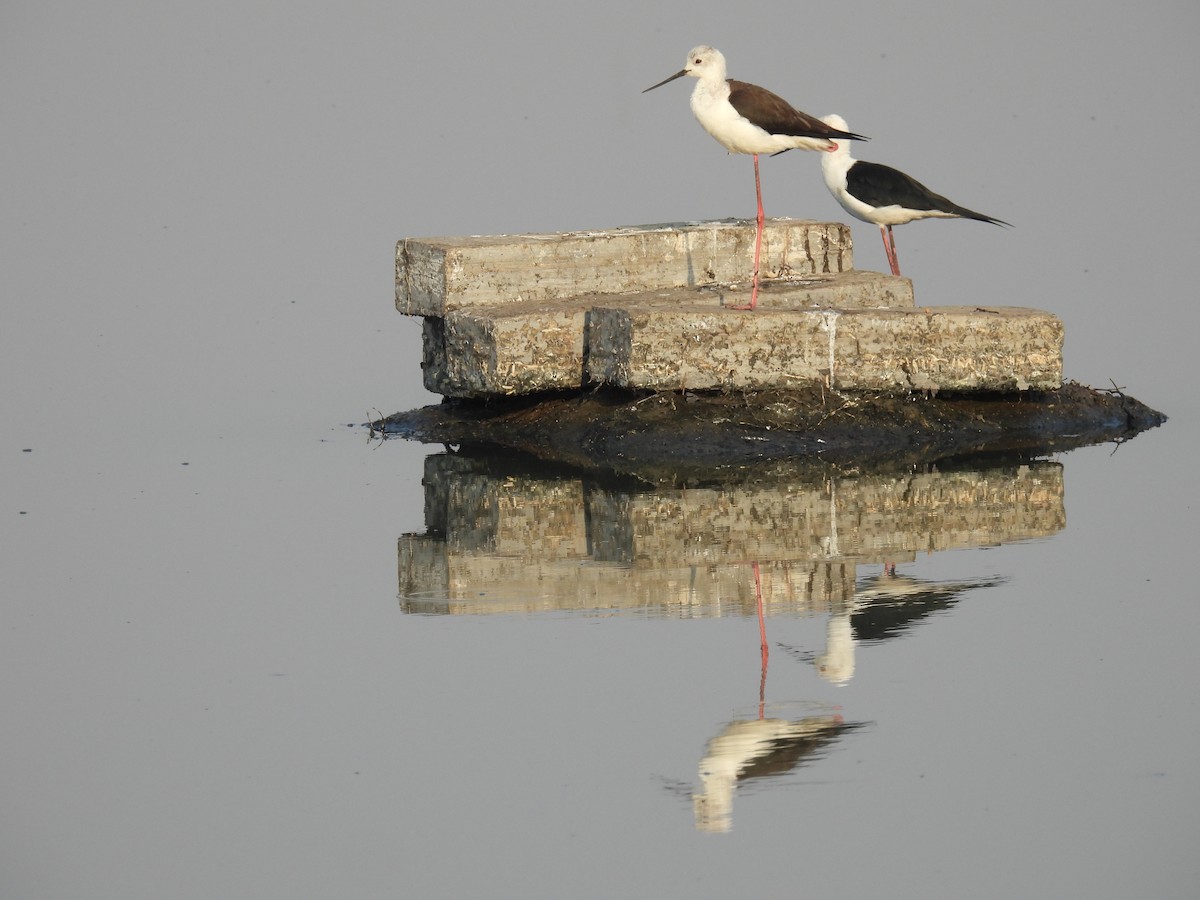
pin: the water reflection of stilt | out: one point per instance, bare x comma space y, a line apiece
760, 748
889, 604
884, 606
747, 751
762, 635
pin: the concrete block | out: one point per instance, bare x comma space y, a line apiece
437, 275
949, 348
946, 348
523, 348
534, 349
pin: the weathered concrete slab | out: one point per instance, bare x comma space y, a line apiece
524, 348
437, 275
652, 307
517, 351
940, 349
1006, 348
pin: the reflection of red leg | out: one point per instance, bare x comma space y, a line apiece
762, 635
758, 233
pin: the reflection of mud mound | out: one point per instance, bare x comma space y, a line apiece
658, 435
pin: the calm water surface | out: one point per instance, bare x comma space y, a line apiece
448, 675
248, 652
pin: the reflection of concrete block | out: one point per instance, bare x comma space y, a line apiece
508, 541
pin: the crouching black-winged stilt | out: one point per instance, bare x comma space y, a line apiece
745, 118
884, 196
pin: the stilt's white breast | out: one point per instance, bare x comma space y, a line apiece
834, 167
737, 134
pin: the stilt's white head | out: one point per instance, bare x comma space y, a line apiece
706, 62
703, 62
833, 120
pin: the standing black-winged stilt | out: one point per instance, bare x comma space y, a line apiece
745, 118
885, 196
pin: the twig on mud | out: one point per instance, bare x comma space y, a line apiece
849, 401
376, 426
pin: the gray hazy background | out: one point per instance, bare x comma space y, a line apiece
207, 687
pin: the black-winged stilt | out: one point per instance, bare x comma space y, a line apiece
745, 118
884, 196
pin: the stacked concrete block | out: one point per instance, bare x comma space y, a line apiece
654, 307
436, 275
947, 348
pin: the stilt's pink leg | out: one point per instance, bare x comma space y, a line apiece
757, 240
758, 233
889, 246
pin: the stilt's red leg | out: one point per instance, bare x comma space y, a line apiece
758, 234
889, 245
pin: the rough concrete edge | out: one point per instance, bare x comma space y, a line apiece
402, 276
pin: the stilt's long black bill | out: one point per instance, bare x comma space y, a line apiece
678, 74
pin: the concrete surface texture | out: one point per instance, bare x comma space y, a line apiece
655, 308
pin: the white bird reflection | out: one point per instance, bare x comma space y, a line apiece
764, 746
884, 606
748, 749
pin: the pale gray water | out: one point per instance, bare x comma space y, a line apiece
209, 682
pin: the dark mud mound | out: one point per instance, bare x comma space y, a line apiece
665, 435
